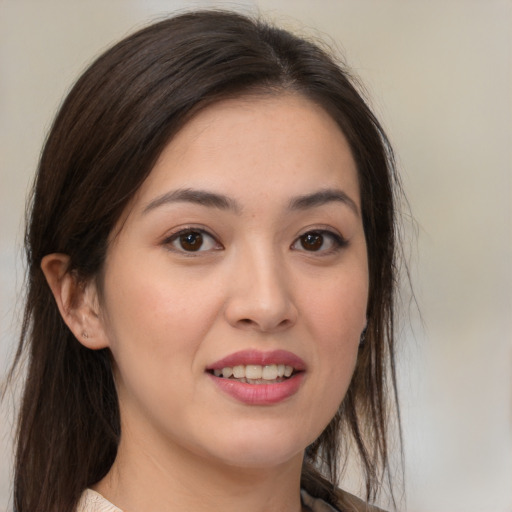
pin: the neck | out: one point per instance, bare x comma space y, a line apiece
169, 478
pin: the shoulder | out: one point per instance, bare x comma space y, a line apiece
91, 501
345, 502
349, 503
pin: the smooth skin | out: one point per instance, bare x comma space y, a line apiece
247, 234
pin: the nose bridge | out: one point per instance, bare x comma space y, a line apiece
261, 295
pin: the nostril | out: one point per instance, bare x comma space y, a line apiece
246, 321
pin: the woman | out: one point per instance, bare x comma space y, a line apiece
211, 278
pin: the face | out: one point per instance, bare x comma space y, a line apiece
235, 291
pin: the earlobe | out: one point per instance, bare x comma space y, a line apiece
77, 301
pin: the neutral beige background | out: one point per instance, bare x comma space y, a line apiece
440, 75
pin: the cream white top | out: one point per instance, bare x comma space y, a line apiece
91, 501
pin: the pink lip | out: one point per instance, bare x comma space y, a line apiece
261, 358
259, 394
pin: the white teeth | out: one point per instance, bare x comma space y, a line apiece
255, 372
239, 371
269, 372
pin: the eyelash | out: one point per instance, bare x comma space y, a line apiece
175, 237
338, 242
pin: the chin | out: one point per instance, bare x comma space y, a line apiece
260, 459
257, 449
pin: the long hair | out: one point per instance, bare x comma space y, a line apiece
105, 140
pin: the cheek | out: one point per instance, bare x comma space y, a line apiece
156, 322
336, 318
154, 336
156, 304
338, 310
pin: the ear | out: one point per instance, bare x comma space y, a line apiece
77, 301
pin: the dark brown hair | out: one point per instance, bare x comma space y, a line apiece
109, 132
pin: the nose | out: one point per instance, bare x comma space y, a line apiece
261, 297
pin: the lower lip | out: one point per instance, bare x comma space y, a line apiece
259, 394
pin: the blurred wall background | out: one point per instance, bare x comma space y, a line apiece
440, 77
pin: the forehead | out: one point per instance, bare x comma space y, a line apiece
256, 147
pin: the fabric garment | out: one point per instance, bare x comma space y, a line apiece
91, 501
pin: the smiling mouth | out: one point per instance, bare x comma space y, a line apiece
256, 374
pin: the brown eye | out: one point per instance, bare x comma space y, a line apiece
312, 241
323, 242
191, 241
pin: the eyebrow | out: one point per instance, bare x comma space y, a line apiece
323, 197
222, 202
195, 196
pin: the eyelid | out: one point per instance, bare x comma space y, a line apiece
337, 238
177, 232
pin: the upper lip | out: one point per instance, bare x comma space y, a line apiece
258, 357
